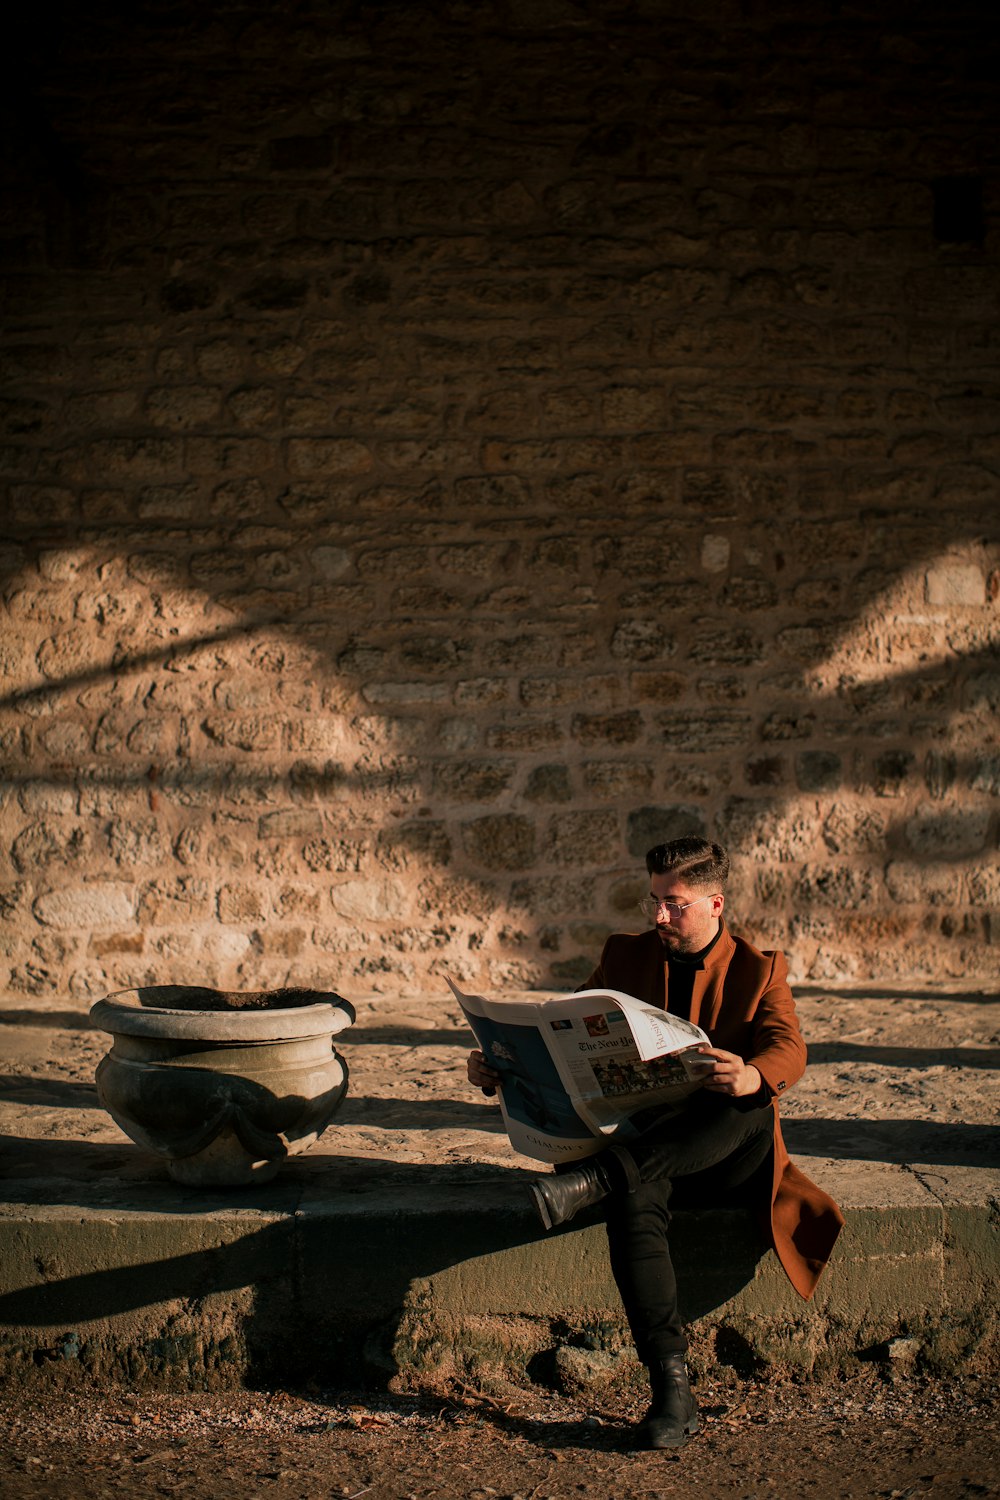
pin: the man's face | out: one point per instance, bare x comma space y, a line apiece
692, 929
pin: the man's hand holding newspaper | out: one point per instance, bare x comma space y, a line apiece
572, 1071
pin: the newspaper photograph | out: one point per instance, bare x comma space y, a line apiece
576, 1068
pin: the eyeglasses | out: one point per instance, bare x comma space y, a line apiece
650, 907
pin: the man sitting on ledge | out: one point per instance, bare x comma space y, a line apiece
724, 1147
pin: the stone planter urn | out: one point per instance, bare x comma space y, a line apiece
224, 1086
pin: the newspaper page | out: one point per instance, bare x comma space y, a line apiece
576, 1068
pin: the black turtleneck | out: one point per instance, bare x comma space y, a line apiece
681, 969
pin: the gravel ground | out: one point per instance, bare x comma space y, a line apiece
893, 1078
863, 1438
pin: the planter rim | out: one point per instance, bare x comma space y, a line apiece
124, 1013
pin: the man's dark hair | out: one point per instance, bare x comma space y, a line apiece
691, 859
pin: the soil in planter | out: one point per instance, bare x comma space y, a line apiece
193, 997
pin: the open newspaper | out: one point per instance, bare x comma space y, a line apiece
576, 1069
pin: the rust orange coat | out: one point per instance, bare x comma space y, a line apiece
742, 1000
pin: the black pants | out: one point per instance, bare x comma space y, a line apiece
715, 1154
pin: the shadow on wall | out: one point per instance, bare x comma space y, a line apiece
873, 992
324, 806
904, 1142
51, 1093
905, 1057
58, 1020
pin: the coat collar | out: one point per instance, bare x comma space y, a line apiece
706, 994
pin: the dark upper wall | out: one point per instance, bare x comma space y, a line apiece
448, 448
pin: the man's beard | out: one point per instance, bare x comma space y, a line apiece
674, 941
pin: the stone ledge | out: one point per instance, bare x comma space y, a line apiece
434, 1276
402, 1245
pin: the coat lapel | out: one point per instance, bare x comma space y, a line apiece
653, 977
706, 993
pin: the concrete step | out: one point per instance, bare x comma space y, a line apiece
403, 1247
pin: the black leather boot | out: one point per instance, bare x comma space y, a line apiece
673, 1412
559, 1197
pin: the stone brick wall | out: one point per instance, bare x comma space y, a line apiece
450, 448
